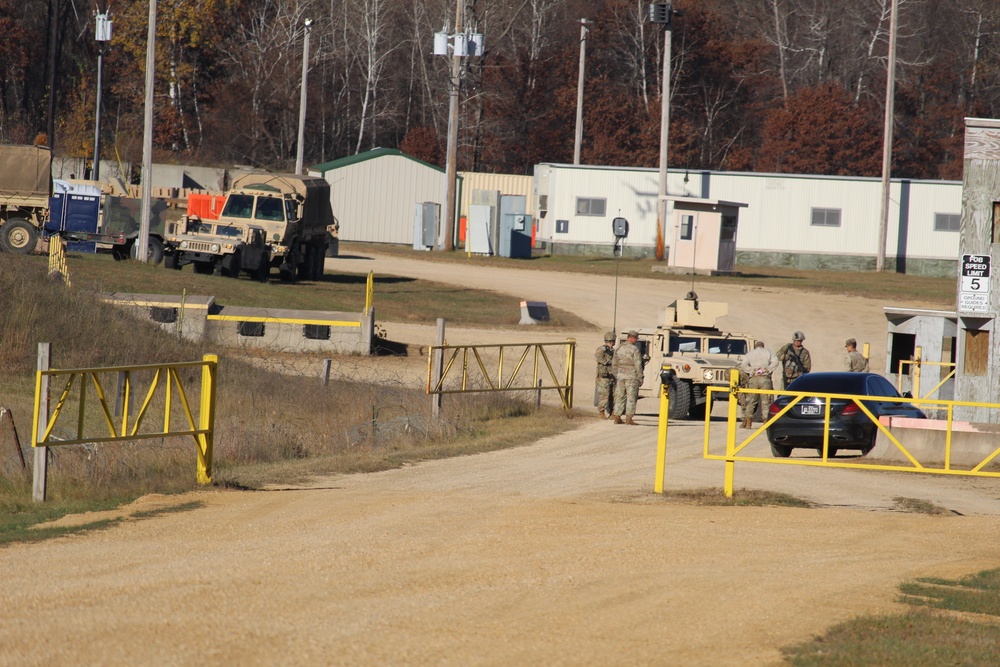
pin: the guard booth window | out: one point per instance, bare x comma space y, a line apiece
977, 352
902, 347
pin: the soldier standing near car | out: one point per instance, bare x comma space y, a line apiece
854, 361
627, 367
758, 365
605, 386
794, 358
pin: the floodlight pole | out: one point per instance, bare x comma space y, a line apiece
300, 147
452, 159
142, 250
661, 208
95, 173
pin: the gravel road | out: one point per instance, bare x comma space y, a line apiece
551, 554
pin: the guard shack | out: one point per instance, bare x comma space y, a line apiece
703, 236
977, 360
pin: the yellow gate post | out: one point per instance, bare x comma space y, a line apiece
206, 418
734, 384
661, 438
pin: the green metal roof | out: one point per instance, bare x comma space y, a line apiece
369, 155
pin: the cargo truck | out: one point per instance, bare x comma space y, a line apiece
25, 189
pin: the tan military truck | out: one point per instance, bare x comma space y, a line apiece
294, 212
25, 189
214, 247
688, 354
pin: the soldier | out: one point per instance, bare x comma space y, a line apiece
758, 366
627, 366
794, 358
605, 379
854, 361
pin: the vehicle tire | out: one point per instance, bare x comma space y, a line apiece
263, 272
680, 400
19, 236
121, 252
230, 264
320, 257
154, 251
781, 451
204, 268
866, 450
172, 261
698, 410
287, 273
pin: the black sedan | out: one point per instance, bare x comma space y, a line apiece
850, 428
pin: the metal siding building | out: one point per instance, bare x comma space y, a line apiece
506, 184
373, 194
777, 227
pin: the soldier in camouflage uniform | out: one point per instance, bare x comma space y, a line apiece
605, 378
854, 361
758, 366
627, 366
794, 358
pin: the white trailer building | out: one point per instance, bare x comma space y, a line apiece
812, 222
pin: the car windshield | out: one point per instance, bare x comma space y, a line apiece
238, 206
727, 346
831, 383
227, 230
685, 344
269, 208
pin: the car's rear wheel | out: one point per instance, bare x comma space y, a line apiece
871, 443
781, 451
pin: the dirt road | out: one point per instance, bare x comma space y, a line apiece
556, 553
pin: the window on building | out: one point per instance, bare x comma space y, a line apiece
947, 222
826, 217
591, 206
316, 331
253, 329
977, 352
687, 227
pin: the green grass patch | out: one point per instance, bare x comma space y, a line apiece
743, 498
918, 506
397, 299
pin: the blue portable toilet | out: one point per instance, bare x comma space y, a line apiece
74, 210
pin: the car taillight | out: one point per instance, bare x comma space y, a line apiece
774, 409
850, 410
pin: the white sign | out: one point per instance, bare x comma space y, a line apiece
974, 293
971, 302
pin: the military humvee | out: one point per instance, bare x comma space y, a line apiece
217, 248
688, 353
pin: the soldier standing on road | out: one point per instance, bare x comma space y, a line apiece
854, 361
758, 366
605, 378
627, 366
794, 358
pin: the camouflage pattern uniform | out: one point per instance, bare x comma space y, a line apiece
854, 361
605, 384
758, 365
795, 361
627, 366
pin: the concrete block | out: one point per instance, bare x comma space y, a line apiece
924, 439
533, 312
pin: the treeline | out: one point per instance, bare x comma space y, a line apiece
765, 85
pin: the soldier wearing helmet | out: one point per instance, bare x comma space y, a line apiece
794, 358
627, 367
605, 386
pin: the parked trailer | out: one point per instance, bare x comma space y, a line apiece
25, 189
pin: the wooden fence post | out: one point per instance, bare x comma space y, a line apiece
41, 462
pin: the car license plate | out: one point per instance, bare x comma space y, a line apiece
810, 409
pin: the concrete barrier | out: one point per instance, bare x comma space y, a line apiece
925, 440
533, 312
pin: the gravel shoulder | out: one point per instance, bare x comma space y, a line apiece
553, 553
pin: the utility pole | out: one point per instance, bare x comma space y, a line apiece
102, 33
579, 91
662, 13
142, 247
890, 95
450, 166
300, 148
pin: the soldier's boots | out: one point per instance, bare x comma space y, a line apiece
628, 420
616, 419
604, 415
747, 422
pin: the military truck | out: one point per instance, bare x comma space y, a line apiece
294, 212
688, 354
217, 248
25, 189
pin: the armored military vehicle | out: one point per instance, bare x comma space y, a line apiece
688, 354
294, 212
217, 248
